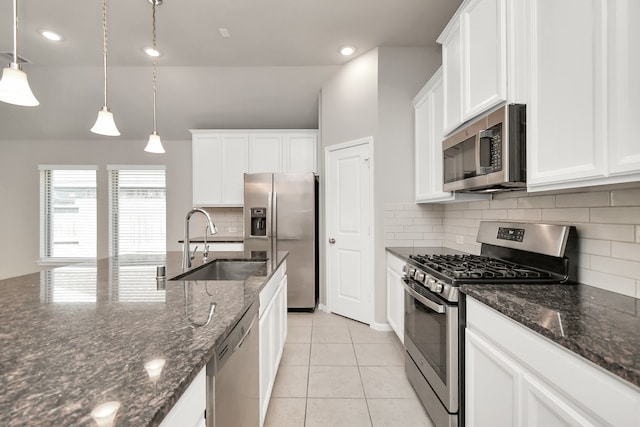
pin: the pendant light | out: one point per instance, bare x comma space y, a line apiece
104, 123
14, 86
154, 145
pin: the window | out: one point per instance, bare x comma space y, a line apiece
138, 209
68, 212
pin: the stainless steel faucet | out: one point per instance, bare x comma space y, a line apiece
186, 251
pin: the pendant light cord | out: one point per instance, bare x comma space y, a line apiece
155, 76
15, 32
104, 47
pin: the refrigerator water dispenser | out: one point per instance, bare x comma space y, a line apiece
258, 221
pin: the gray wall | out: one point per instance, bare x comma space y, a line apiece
371, 96
20, 190
188, 98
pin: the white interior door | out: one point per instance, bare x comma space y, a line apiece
348, 244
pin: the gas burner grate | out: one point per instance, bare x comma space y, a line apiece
463, 267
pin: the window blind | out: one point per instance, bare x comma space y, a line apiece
68, 213
138, 211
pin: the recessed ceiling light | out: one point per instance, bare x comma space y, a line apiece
224, 32
347, 50
152, 52
51, 35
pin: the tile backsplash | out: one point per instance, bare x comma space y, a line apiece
228, 220
607, 223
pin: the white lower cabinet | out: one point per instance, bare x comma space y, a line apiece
273, 333
395, 295
516, 377
189, 409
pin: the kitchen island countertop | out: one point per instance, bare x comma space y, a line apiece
78, 336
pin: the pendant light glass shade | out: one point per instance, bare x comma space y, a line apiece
105, 125
14, 86
154, 145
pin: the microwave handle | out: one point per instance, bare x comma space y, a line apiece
483, 152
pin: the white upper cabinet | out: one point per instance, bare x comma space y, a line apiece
474, 59
219, 163
452, 76
222, 157
584, 92
623, 86
265, 153
428, 108
484, 63
283, 151
301, 152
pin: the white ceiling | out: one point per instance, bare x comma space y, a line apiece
303, 36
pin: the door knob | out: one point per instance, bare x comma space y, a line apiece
332, 240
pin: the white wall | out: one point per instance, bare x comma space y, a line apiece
20, 190
371, 96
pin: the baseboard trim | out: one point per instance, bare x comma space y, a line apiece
384, 327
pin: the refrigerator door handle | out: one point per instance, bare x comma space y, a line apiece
274, 214
269, 213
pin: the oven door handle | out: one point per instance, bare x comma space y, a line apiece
438, 308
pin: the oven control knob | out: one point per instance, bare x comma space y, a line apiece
437, 287
429, 283
411, 271
419, 276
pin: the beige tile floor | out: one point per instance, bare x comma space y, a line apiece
338, 372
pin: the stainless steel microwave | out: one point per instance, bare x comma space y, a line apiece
489, 154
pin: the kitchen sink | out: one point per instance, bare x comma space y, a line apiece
225, 270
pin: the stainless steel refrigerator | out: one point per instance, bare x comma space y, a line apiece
280, 209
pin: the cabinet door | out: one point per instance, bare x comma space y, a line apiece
395, 295
207, 166
266, 365
301, 153
623, 85
492, 383
484, 53
265, 154
235, 164
428, 142
452, 79
544, 408
219, 162
566, 139
188, 411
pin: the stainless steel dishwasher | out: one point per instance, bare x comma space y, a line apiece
232, 376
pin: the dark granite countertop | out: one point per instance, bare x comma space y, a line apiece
601, 326
78, 336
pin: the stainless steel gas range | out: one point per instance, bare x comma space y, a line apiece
434, 319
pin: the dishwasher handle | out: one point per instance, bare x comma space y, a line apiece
244, 337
